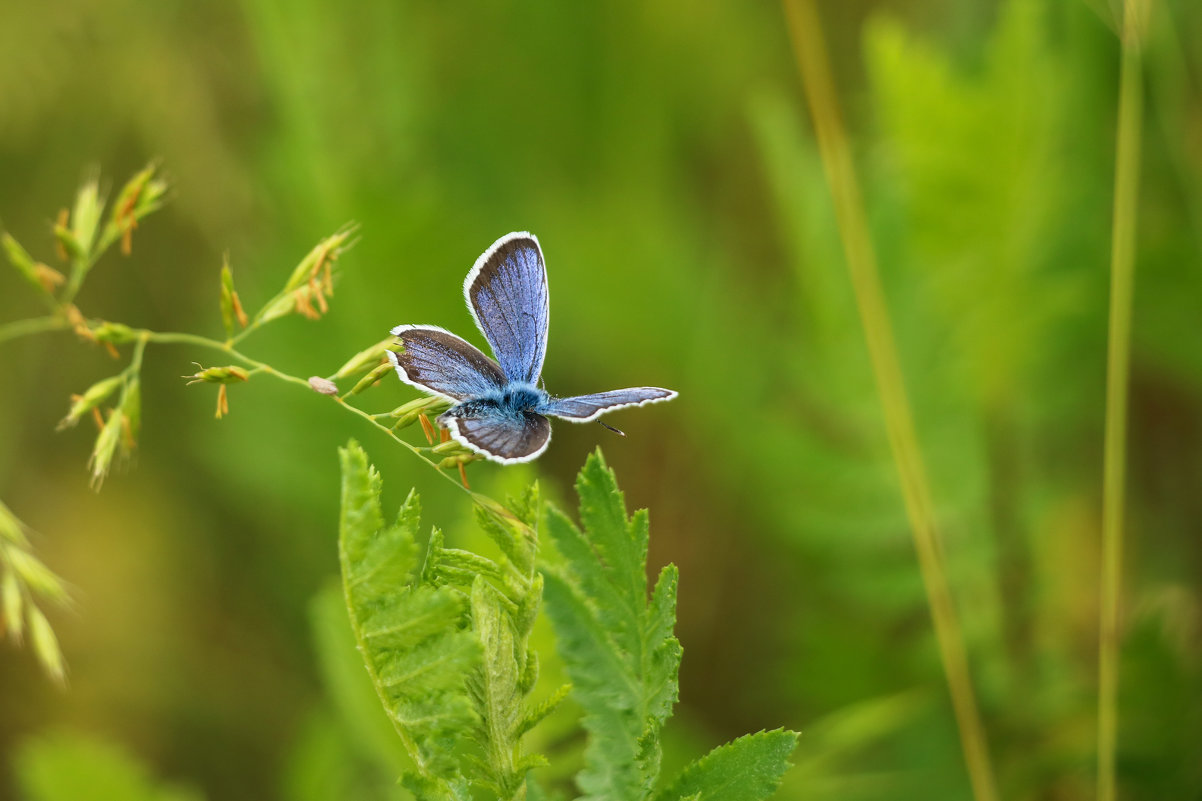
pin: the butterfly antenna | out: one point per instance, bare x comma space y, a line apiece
617, 431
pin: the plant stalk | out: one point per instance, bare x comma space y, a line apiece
813, 64
34, 325
1122, 290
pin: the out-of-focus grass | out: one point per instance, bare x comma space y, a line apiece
661, 154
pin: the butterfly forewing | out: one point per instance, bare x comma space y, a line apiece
505, 439
438, 361
506, 292
583, 408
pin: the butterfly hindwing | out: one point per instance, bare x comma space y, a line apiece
507, 439
437, 361
506, 292
585, 408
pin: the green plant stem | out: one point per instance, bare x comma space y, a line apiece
34, 325
1122, 287
135, 363
806, 33
171, 337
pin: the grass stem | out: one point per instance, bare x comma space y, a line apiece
1122, 288
172, 337
806, 33
34, 325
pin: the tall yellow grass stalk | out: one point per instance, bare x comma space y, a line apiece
1122, 285
806, 33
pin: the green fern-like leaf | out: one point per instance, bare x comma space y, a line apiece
618, 647
415, 638
447, 645
619, 650
505, 599
746, 769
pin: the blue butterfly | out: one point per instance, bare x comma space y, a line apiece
500, 411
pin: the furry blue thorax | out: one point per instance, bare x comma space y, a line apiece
512, 401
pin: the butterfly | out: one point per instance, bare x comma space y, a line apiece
499, 410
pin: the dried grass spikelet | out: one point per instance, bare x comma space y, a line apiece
311, 283
230, 374
92, 397
141, 195
365, 359
231, 304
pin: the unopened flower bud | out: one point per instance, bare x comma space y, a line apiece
64, 237
364, 359
140, 196
450, 446
323, 386
456, 461
85, 218
375, 375
316, 264
90, 399
106, 445
408, 413
20, 258
219, 375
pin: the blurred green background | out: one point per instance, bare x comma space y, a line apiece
662, 154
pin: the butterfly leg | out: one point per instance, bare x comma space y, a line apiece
617, 431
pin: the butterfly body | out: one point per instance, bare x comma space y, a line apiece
514, 401
499, 410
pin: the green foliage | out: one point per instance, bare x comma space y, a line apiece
985, 139
447, 646
746, 769
68, 767
623, 659
413, 636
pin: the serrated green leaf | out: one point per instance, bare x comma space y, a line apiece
617, 646
537, 713
496, 688
746, 769
586, 570
425, 789
526, 507
620, 542
454, 563
414, 638
504, 536
605, 687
